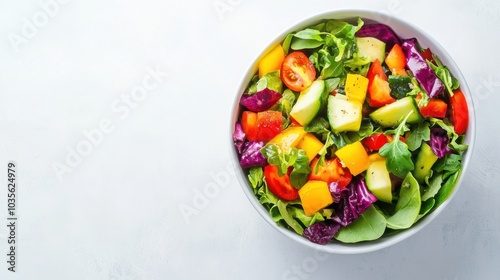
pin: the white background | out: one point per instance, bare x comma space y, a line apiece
115, 212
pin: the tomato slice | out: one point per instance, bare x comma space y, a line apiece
279, 186
459, 112
331, 171
375, 141
297, 71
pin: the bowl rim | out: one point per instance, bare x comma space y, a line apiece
425, 40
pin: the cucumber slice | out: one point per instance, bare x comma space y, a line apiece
392, 114
425, 159
309, 103
378, 181
371, 47
344, 114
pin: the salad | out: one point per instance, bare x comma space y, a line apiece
348, 133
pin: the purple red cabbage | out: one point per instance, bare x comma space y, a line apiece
321, 232
439, 142
350, 203
354, 202
261, 100
238, 137
380, 31
421, 70
251, 155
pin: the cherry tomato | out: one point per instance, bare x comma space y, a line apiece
261, 126
375, 141
331, 171
297, 71
279, 186
459, 112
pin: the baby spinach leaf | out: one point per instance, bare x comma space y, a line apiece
282, 206
369, 226
408, 205
426, 208
446, 189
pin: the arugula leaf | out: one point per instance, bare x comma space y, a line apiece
416, 89
419, 133
433, 188
357, 64
449, 164
322, 153
300, 44
442, 72
398, 156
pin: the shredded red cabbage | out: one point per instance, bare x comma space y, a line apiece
350, 203
238, 137
439, 142
251, 155
261, 100
421, 70
321, 232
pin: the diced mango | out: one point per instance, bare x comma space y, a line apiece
311, 145
355, 87
354, 157
314, 196
289, 138
271, 61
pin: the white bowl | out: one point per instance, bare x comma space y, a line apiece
404, 30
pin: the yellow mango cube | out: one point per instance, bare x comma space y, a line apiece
314, 196
289, 138
311, 145
271, 61
356, 87
354, 157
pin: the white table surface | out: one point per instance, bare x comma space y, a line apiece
69, 69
